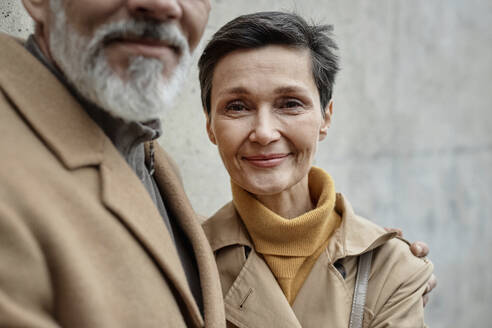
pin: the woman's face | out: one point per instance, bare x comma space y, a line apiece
266, 118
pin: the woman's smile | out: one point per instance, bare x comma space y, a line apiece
267, 160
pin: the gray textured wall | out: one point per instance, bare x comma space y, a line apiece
411, 140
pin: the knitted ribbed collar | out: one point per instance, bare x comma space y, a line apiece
300, 236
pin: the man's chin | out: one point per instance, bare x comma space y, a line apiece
132, 109
144, 96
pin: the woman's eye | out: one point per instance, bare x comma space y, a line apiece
235, 107
292, 104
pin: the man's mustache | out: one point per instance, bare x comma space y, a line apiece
139, 30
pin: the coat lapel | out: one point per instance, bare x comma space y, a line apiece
324, 297
177, 203
127, 198
256, 300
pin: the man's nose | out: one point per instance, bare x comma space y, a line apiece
160, 10
265, 128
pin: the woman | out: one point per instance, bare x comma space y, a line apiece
290, 251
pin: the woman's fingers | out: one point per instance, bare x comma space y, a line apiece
431, 284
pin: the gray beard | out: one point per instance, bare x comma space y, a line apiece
146, 94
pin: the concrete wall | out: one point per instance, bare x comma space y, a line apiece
411, 140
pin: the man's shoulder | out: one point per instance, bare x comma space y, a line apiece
41, 122
28, 165
29, 149
18, 141
12, 54
21, 72
7, 41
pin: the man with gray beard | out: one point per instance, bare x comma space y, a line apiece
95, 228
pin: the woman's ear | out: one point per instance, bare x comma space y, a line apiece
328, 110
211, 135
38, 10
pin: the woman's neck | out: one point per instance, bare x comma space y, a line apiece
290, 203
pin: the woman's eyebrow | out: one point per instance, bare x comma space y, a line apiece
279, 90
289, 89
234, 91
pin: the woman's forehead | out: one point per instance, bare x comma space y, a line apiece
275, 67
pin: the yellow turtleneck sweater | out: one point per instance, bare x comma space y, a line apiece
290, 247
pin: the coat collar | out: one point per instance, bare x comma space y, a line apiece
50, 109
77, 141
353, 237
225, 228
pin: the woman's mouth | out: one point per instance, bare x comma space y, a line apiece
267, 160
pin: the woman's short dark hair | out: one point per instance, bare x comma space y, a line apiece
268, 28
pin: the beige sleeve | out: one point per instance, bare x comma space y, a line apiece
404, 308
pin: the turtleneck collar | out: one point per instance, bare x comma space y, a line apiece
300, 236
127, 137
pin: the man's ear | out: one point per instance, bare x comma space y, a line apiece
211, 135
38, 10
328, 110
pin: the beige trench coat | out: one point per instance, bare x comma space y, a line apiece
81, 242
254, 299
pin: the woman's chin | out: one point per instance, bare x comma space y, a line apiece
265, 188
259, 188
267, 191
272, 184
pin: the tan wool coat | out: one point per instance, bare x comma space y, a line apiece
253, 297
81, 242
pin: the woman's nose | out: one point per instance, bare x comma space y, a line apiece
265, 129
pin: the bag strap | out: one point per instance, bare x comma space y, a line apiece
359, 300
